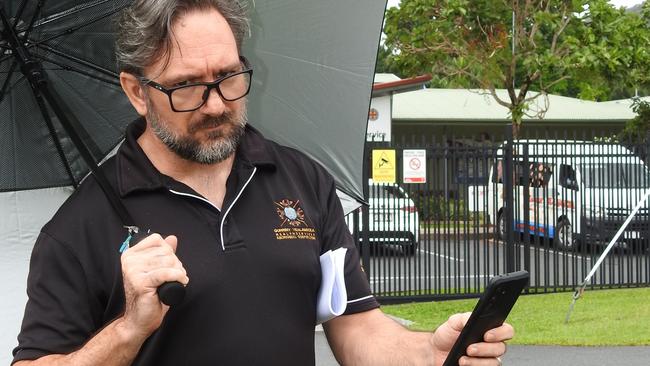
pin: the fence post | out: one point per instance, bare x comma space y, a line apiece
526, 204
508, 178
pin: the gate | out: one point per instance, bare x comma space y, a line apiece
565, 200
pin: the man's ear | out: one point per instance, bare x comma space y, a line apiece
134, 91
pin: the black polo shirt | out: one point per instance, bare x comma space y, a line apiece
253, 266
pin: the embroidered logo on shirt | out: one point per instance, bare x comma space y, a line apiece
293, 224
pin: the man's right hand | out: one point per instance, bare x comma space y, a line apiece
146, 266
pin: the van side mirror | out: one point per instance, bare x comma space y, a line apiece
571, 184
568, 177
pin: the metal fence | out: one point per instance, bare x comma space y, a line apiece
564, 201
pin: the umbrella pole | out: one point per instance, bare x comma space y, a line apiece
55, 139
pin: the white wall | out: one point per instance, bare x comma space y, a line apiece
22, 214
380, 128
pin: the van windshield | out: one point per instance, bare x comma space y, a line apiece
615, 175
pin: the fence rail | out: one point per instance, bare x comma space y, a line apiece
564, 200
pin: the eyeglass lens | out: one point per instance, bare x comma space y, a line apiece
193, 96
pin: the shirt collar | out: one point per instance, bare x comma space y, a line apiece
137, 173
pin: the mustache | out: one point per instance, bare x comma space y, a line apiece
210, 122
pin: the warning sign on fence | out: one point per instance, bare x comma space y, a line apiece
383, 166
415, 167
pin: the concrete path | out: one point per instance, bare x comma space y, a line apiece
537, 355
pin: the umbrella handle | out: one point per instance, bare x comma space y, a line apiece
169, 293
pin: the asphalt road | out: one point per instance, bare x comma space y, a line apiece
537, 355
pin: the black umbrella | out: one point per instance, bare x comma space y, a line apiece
62, 108
55, 69
313, 61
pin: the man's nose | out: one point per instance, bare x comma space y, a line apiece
214, 105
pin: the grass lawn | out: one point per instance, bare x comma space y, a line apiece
600, 317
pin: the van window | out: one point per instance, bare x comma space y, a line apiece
539, 174
615, 175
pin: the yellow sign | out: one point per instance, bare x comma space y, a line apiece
383, 166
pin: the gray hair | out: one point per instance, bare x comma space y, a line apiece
144, 29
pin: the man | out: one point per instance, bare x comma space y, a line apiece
238, 219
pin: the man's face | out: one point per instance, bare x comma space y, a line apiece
203, 49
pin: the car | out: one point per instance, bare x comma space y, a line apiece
393, 217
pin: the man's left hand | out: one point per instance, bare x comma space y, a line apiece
485, 353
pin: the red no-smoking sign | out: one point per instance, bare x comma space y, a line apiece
415, 168
415, 163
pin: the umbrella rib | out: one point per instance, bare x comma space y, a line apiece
20, 11
32, 43
79, 71
37, 12
90, 143
77, 27
32, 26
310, 62
77, 9
80, 61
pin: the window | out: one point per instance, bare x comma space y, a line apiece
615, 175
539, 174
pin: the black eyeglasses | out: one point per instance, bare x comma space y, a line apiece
190, 97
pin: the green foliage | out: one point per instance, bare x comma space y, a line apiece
600, 317
432, 208
638, 128
583, 48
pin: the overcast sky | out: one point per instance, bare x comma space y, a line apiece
616, 3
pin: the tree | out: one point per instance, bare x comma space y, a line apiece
638, 128
579, 47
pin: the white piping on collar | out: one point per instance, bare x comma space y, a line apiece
223, 217
194, 196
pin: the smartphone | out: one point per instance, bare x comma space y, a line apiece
490, 312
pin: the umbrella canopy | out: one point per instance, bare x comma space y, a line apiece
72, 40
314, 67
313, 60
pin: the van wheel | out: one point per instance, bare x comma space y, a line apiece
501, 226
564, 236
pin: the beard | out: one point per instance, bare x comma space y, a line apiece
221, 143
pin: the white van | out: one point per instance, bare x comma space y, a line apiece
578, 191
393, 217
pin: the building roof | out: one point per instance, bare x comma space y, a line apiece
446, 105
389, 87
384, 78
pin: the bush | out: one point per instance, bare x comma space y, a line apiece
434, 207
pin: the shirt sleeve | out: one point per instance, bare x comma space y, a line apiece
337, 234
58, 315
